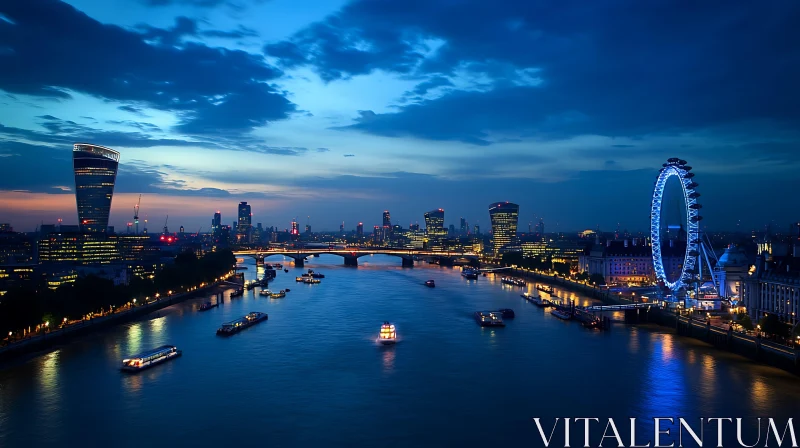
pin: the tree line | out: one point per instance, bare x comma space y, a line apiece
546, 264
32, 305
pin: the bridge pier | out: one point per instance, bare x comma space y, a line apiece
299, 262
445, 261
408, 262
350, 260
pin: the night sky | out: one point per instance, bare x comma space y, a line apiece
338, 110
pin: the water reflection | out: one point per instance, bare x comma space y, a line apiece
388, 358
664, 383
158, 325
134, 338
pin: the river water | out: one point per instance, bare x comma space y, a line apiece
312, 375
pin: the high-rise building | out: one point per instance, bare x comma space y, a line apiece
477, 230
463, 227
216, 223
360, 229
244, 225
95, 174
451, 230
387, 219
341, 227
504, 217
294, 234
434, 228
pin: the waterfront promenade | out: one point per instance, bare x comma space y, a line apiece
45, 339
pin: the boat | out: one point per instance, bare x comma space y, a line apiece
238, 325
299, 279
265, 292
547, 289
277, 265
506, 313
536, 299
388, 334
489, 319
287, 289
285, 270
278, 295
561, 314
512, 281
238, 293
208, 305
150, 358
470, 274
311, 281
317, 275
430, 284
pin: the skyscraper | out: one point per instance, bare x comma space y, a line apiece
216, 225
463, 227
504, 216
295, 232
360, 229
434, 228
95, 173
387, 219
244, 224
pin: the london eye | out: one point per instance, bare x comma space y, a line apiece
695, 250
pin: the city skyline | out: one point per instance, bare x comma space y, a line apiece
342, 110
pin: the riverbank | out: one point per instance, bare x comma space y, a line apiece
46, 341
753, 348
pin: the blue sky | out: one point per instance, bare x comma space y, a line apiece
338, 110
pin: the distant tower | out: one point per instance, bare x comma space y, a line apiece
360, 229
295, 232
244, 225
504, 217
464, 229
434, 227
95, 170
387, 219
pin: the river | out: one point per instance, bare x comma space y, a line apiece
312, 375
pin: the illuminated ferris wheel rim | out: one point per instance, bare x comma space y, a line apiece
676, 168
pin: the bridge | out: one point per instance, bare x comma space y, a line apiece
629, 306
352, 255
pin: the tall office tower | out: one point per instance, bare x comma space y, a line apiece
451, 230
295, 232
95, 173
341, 227
244, 226
387, 219
504, 217
463, 228
360, 229
434, 227
377, 235
477, 230
216, 224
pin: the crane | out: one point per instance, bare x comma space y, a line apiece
136, 214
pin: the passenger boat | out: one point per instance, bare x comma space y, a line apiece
512, 281
536, 299
265, 292
430, 284
238, 293
238, 325
547, 289
299, 279
489, 319
150, 358
561, 314
469, 274
388, 334
208, 305
278, 295
507, 313
311, 281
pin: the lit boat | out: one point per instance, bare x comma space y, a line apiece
150, 358
547, 289
536, 299
208, 305
388, 334
238, 325
489, 319
299, 279
512, 281
561, 314
278, 295
430, 284
470, 274
265, 292
311, 281
238, 293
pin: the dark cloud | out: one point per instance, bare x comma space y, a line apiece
142, 126
184, 26
323, 150
132, 109
240, 32
282, 151
213, 90
432, 83
613, 68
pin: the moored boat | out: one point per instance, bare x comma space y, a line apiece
238, 325
561, 314
547, 289
265, 292
536, 299
388, 334
470, 274
430, 284
278, 295
150, 358
512, 281
207, 306
311, 281
507, 313
489, 319
238, 293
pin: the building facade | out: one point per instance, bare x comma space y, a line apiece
95, 170
244, 229
504, 217
773, 287
434, 228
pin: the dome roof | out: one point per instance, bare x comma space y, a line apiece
734, 256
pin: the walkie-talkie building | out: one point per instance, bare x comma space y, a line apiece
95, 173
504, 216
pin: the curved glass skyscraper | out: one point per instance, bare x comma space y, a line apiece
95, 173
504, 216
